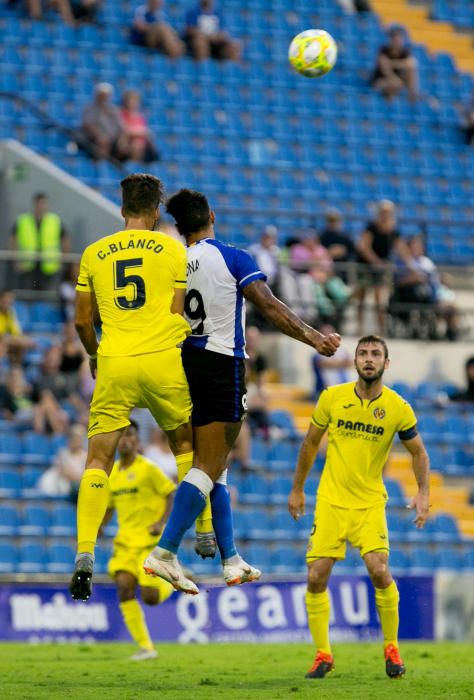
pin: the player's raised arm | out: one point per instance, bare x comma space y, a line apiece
260, 294
306, 457
421, 470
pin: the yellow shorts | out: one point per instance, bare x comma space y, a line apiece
131, 560
155, 380
365, 529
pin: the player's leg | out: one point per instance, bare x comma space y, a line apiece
372, 540
212, 445
109, 415
327, 543
133, 616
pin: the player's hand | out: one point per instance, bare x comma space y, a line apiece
296, 503
422, 508
327, 344
156, 528
93, 366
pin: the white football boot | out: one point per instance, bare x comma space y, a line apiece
237, 571
170, 570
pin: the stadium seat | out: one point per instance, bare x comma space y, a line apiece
9, 521
448, 558
241, 521
258, 555
260, 526
8, 558
444, 528
258, 453
10, 449
397, 527
399, 561
63, 520
10, 483
29, 480
35, 521
395, 493
280, 488
61, 558
283, 455
284, 421
288, 560
33, 558
422, 560
36, 449
254, 490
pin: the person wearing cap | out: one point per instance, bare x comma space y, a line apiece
380, 239
339, 244
102, 126
151, 28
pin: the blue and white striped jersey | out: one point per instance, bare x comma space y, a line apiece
215, 305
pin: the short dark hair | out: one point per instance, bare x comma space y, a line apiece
368, 339
190, 210
470, 361
39, 195
141, 194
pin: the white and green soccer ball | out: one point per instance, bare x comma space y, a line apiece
313, 53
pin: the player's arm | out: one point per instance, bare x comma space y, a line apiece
177, 306
421, 470
260, 294
306, 458
157, 528
84, 322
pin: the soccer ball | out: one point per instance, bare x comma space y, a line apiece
313, 53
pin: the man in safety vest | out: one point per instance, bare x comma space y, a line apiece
39, 232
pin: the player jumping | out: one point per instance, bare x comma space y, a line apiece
362, 418
137, 277
220, 278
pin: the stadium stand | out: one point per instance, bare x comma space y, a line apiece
238, 147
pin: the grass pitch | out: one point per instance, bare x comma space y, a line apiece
231, 671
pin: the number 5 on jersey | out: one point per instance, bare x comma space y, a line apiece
123, 280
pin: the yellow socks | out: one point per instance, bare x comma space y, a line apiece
204, 520
135, 621
319, 611
92, 503
386, 600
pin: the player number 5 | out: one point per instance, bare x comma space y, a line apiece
122, 280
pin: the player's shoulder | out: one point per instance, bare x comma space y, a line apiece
169, 241
146, 465
339, 391
394, 397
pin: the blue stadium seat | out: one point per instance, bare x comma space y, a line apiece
33, 558
29, 482
241, 522
395, 493
10, 449
399, 561
8, 558
35, 521
63, 520
254, 490
259, 453
283, 455
468, 559
397, 527
10, 483
45, 317
36, 449
9, 521
61, 558
284, 421
288, 560
444, 528
258, 555
422, 560
260, 526
448, 558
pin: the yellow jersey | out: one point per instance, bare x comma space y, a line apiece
133, 275
360, 435
9, 323
138, 493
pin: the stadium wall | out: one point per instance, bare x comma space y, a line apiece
272, 611
85, 213
409, 362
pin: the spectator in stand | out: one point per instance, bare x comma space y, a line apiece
12, 341
468, 393
72, 351
64, 476
15, 398
418, 283
356, 5
85, 10
379, 240
468, 121
151, 28
396, 67
67, 291
331, 294
140, 146
266, 254
159, 452
339, 244
256, 364
331, 370
63, 7
39, 232
308, 254
50, 389
102, 127
205, 34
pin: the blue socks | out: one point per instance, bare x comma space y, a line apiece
189, 501
222, 521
